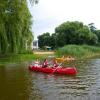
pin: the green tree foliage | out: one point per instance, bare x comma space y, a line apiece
74, 33
53, 39
47, 40
15, 26
97, 32
44, 40
92, 27
85, 36
70, 33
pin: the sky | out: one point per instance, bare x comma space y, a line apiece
48, 14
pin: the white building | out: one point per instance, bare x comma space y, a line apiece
35, 44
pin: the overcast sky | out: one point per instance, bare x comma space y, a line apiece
48, 14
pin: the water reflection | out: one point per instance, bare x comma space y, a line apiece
15, 83
18, 83
84, 86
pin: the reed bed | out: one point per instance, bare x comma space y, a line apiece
78, 51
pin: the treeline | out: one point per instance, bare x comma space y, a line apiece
15, 26
71, 33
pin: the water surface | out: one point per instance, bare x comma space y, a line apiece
18, 83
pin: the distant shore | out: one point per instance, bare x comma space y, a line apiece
43, 52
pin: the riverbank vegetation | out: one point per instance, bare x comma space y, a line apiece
16, 58
26, 57
16, 35
15, 26
71, 33
73, 38
79, 51
76, 51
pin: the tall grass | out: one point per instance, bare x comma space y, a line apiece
78, 51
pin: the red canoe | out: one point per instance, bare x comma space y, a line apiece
68, 70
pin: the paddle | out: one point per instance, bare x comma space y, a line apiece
56, 68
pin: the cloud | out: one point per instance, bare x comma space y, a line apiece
48, 14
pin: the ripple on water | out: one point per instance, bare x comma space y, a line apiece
28, 85
84, 86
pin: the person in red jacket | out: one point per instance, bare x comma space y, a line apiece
45, 63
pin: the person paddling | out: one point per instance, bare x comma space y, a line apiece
55, 64
36, 63
45, 63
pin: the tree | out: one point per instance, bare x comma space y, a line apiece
15, 26
85, 36
97, 32
74, 33
44, 39
92, 27
53, 41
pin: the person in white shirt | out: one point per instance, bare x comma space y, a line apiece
37, 63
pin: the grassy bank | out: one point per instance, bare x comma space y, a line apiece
79, 51
13, 58
17, 58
